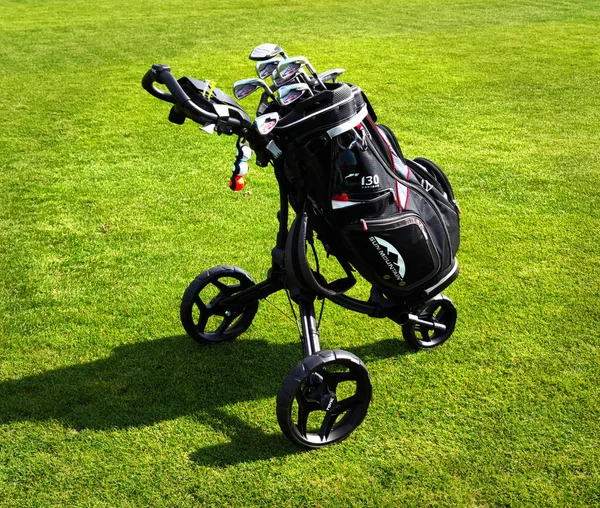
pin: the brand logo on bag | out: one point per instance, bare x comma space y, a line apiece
391, 258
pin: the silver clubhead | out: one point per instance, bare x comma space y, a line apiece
266, 123
266, 51
278, 80
265, 68
291, 93
289, 67
245, 87
331, 75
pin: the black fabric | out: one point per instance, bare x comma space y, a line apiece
393, 219
299, 274
397, 253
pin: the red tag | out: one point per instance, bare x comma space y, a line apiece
341, 197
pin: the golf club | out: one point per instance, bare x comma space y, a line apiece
245, 87
291, 93
266, 123
266, 51
289, 67
331, 75
265, 68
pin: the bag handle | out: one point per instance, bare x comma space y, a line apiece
298, 270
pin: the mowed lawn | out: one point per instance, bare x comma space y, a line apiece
108, 211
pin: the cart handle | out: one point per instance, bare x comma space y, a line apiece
161, 74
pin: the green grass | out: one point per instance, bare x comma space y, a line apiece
108, 211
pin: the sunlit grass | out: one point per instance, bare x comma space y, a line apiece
108, 212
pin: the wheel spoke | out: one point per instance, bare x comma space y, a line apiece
203, 321
427, 313
327, 425
348, 403
225, 289
439, 318
227, 320
303, 413
199, 303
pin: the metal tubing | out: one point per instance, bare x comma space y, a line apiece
412, 318
254, 293
310, 334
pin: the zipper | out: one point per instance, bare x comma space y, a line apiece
446, 183
417, 188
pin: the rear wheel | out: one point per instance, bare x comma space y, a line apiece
205, 313
440, 310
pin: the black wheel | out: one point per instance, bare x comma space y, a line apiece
438, 310
204, 312
324, 398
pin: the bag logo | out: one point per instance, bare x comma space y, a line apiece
391, 257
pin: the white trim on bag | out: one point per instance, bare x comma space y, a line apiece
450, 274
348, 124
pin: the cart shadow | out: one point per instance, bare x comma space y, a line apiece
145, 383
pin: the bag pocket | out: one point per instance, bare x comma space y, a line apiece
348, 209
396, 254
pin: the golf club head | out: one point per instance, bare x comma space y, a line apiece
278, 80
331, 75
265, 68
245, 87
266, 123
266, 51
291, 93
289, 67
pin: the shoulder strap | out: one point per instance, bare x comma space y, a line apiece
298, 271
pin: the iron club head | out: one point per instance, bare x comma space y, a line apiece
291, 93
266, 123
278, 81
265, 68
331, 75
289, 67
245, 87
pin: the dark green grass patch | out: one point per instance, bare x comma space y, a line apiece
108, 211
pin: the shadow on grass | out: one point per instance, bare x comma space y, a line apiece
146, 383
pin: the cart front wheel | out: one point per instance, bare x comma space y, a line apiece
324, 398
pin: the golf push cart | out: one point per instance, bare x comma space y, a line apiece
391, 219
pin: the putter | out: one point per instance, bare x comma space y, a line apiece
291, 93
245, 87
266, 51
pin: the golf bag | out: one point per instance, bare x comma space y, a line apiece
393, 219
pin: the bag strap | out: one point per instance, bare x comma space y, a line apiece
298, 271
